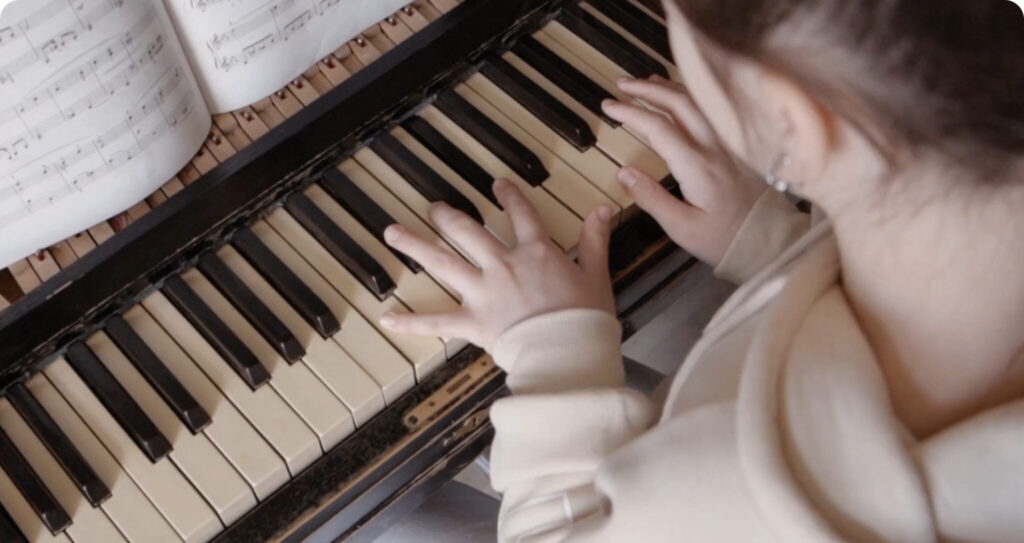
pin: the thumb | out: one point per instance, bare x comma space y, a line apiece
670, 212
593, 248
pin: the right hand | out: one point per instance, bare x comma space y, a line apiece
719, 191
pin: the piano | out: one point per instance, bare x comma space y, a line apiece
208, 366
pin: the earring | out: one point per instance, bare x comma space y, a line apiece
773, 179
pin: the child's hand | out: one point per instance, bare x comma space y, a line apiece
719, 191
511, 284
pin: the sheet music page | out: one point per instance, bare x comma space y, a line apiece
244, 50
98, 108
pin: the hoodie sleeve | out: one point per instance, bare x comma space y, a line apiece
772, 225
569, 411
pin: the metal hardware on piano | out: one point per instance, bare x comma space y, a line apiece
272, 242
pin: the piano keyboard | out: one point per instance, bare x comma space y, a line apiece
190, 408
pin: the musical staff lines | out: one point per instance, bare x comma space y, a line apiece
103, 110
73, 168
33, 40
102, 71
258, 31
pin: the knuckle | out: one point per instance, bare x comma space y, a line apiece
538, 250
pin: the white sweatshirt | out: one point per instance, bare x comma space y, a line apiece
778, 426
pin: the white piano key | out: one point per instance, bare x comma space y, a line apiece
388, 368
416, 290
264, 408
23, 515
307, 396
618, 143
128, 508
176, 499
648, 10
565, 183
667, 62
561, 223
342, 375
495, 219
395, 208
609, 71
424, 353
232, 434
593, 165
197, 459
88, 524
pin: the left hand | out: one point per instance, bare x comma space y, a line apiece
508, 284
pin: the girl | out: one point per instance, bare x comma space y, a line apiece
866, 382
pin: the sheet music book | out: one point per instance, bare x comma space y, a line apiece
102, 101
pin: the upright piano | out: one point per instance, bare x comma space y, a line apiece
208, 366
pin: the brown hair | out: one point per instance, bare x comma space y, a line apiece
946, 74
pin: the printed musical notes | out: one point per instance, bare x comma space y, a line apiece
244, 50
98, 107
56, 25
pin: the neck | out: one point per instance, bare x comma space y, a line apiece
935, 274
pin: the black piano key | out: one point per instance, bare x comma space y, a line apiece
641, 25
9, 532
59, 445
118, 402
192, 415
610, 43
220, 336
451, 155
31, 486
513, 153
363, 208
429, 183
249, 305
298, 294
574, 82
547, 108
344, 249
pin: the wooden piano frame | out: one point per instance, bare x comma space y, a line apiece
393, 462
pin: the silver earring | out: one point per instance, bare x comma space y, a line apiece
773, 179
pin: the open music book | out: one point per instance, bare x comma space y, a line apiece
102, 101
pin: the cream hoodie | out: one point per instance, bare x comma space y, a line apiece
778, 426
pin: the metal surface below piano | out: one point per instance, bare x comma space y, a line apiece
215, 369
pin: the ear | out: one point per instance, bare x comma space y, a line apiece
803, 127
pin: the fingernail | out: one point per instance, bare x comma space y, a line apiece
392, 232
607, 103
387, 320
628, 177
623, 80
500, 184
604, 213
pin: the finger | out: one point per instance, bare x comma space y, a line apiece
672, 98
526, 222
448, 325
673, 214
657, 129
479, 244
437, 261
593, 248
661, 133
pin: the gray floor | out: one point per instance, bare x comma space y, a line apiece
661, 345
664, 342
